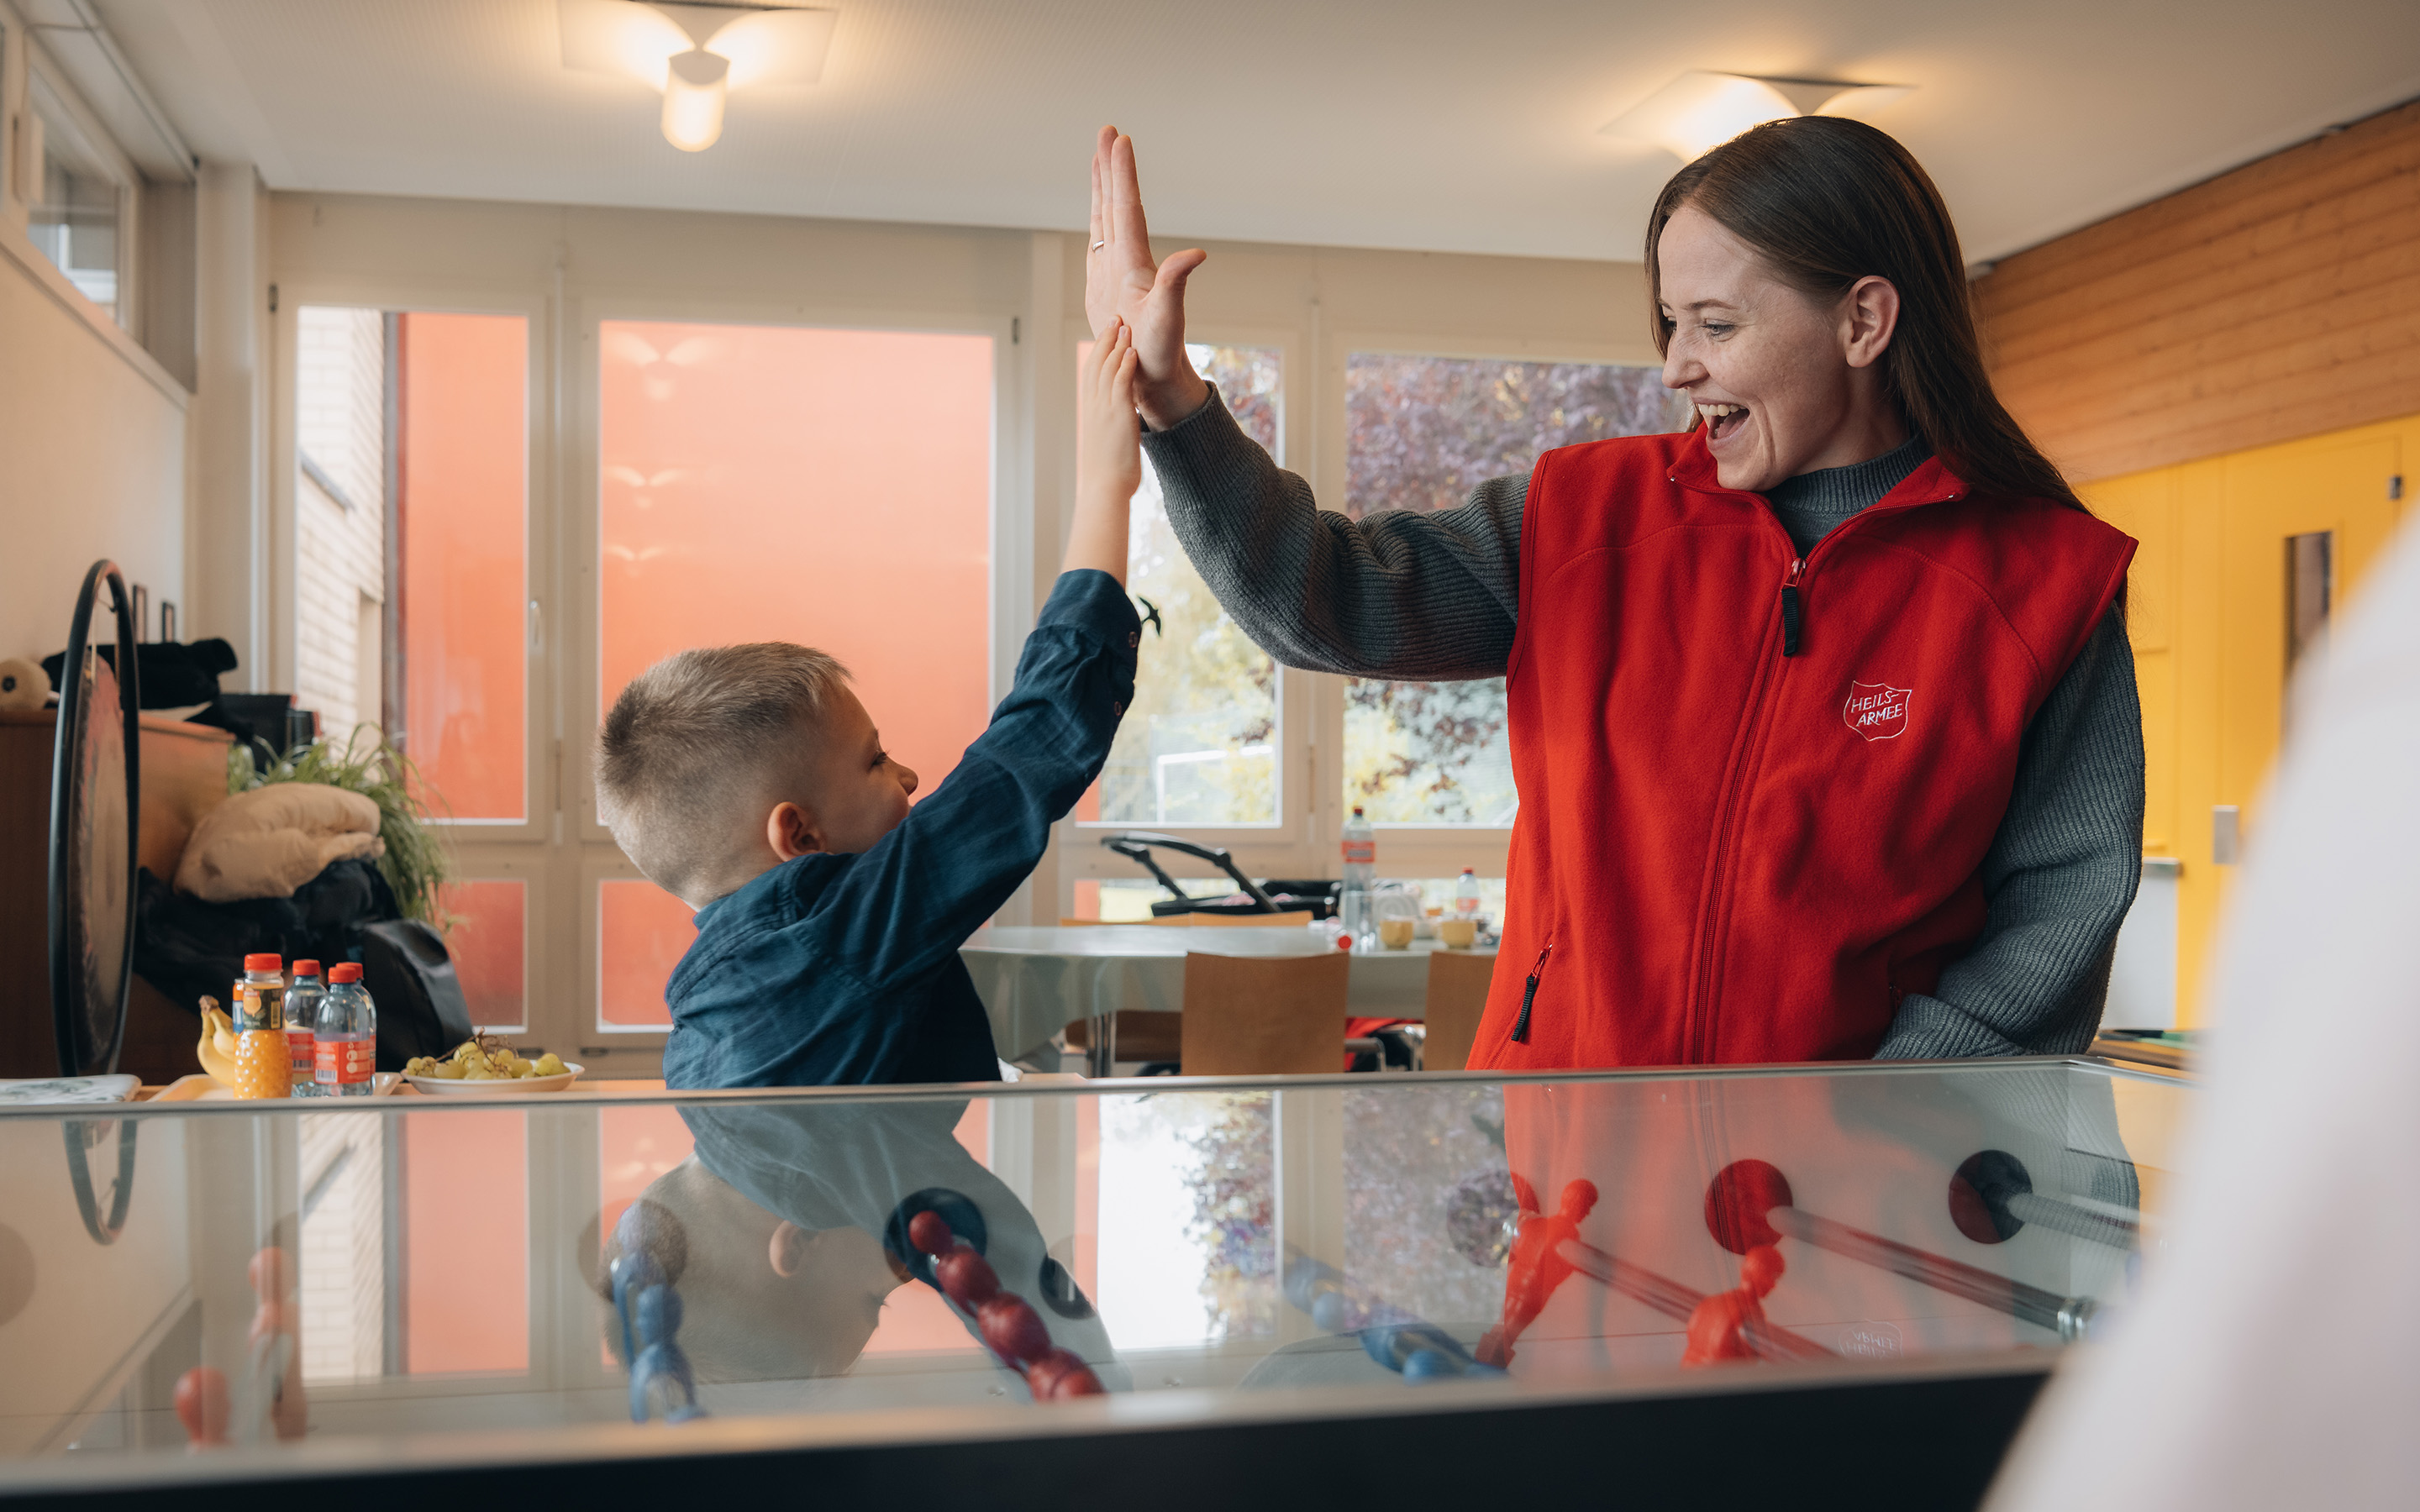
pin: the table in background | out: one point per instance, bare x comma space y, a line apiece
1036, 982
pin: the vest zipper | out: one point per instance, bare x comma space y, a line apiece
1794, 615
1529, 995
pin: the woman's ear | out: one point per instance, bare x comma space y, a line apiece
788, 1249
1868, 318
792, 832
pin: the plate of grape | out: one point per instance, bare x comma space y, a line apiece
486, 1067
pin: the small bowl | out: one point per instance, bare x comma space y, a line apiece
500, 1086
1457, 933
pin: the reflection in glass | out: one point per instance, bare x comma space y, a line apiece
1420, 433
1199, 745
453, 1266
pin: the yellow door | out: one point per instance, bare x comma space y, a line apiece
2335, 494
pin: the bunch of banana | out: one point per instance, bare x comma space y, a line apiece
216, 1050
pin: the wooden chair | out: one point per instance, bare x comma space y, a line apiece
1295, 920
1457, 995
1135, 1034
1260, 1016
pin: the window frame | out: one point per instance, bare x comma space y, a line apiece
1009, 508
91, 137
1311, 704
1287, 847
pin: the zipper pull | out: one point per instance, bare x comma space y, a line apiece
1792, 616
1529, 995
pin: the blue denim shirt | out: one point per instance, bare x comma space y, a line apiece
832, 970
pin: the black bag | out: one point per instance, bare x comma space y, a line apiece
189, 949
172, 674
421, 1010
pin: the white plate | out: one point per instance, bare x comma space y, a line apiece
440, 1086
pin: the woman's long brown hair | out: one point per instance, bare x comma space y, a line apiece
1828, 201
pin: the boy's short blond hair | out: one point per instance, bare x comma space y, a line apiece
689, 748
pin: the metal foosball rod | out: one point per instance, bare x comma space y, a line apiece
1750, 1203
1992, 1196
1770, 1340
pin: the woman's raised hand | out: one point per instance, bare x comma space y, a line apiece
1122, 284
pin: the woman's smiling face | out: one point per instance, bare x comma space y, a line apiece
1783, 385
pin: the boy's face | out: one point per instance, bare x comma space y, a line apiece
849, 793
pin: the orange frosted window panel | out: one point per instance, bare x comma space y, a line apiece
487, 927
466, 1241
463, 469
827, 488
641, 932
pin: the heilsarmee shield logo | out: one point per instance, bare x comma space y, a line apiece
1876, 710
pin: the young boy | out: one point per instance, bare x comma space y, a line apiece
749, 782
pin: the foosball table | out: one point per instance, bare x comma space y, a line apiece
1703, 1288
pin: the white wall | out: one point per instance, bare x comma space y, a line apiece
92, 458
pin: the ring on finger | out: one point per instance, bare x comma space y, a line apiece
1098, 245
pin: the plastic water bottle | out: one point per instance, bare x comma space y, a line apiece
1361, 874
1465, 895
345, 1042
303, 999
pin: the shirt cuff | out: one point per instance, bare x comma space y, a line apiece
1094, 603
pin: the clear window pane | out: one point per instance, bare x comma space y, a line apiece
487, 927
340, 517
75, 215
832, 488
462, 481
1200, 746
1420, 433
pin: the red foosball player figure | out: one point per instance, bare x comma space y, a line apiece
1715, 1324
1536, 1268
1009, 1325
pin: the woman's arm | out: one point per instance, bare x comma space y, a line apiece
2060, 875
1426, 597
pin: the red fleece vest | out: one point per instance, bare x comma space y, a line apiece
1749, 827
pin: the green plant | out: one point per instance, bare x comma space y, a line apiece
415, 864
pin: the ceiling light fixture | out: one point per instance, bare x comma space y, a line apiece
696, 54
1701, 110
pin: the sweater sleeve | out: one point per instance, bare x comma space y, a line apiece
1399, 595
2059, 877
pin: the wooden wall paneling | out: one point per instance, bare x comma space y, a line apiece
2279, 301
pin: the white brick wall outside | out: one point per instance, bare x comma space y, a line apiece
340, 423
343, 1263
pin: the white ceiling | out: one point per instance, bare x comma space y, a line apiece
1386, 123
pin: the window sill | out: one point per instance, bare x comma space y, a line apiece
20, 249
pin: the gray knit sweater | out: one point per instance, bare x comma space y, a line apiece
1427, 597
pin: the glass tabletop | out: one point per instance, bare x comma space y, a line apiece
280, 1276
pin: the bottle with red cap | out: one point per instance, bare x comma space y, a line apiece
302, 998
345, 1040
264, 1066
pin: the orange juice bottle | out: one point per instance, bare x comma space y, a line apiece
264, 1065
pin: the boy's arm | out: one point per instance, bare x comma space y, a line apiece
910, 901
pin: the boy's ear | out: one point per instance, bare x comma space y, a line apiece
788, 1249
792, 831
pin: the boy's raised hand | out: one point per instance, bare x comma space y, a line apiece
1121, 283
1108, 455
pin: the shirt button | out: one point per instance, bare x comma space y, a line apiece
1117, 710
1134, 639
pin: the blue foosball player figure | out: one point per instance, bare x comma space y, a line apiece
660, 1374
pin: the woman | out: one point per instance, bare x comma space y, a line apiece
1822, 712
